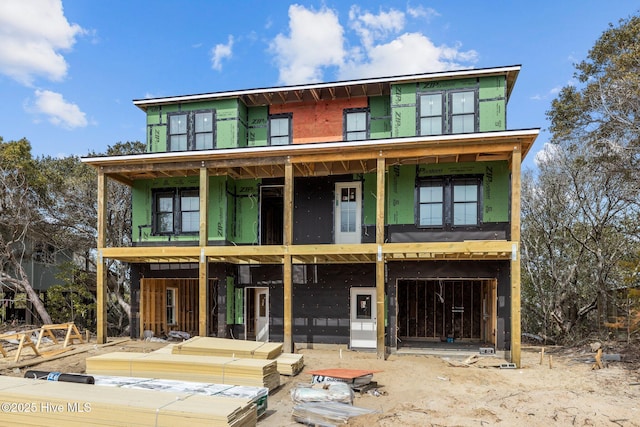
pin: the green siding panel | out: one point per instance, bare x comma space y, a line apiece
492, 87
400, 194
157, 138
446, 85
404, 121
239, 306
403, 94
380, 117
226, 134
217, 208
257, 126
246, 210
369, 199
492, 116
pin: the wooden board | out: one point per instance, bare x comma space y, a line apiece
221, 370
347, 374
54, 404
212, 346
290, 364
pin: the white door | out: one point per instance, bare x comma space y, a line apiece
348, 212
363, 318
262, 314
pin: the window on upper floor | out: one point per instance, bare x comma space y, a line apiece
447, 112
356, 124
192, 130
447, 202
280, 129
176, 211
44, 253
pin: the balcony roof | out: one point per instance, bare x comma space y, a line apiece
318, 159
331, 90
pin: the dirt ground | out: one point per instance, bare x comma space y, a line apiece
435, 390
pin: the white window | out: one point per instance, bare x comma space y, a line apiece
171, 306
356, 124
191, 130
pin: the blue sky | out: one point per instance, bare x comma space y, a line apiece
70, 69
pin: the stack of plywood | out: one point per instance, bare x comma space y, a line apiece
210, 346
213, 369
257, 395
288, 363
30, 402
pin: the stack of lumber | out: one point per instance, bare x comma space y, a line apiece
28, 402
211, 346
288, 363
209, 369
257, 395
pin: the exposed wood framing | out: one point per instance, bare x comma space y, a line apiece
287, 269
380, 282
101, 270
515, 260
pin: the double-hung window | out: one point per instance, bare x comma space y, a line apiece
463, 112
356, 124
447, 112
447, 202
191, 130
431, 118
280, 129
176, 211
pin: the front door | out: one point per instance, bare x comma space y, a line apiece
363, 318
348, 196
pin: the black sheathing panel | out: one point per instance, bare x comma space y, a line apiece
320, 310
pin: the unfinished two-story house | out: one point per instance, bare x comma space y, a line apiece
376, 213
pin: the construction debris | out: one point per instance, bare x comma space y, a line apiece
330, 392
327, 413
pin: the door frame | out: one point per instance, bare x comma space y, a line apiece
347, 237
363, 332
252, 300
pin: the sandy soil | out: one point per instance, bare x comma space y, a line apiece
435, 390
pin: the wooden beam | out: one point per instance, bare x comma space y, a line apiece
287, 268
515, 259
203, 281
380, 262
101, 270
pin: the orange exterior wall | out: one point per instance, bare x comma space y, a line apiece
318, 122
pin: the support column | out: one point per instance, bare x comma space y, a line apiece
287, 277
203, 276
101, 270
380, 283
516, 159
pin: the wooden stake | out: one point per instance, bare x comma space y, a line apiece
541, 355
550, 362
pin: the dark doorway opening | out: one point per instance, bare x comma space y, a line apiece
445, 310
271, 215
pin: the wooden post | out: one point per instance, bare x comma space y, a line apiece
541, 355
380, 262
287, 276
203, 276
101, 270
516, 159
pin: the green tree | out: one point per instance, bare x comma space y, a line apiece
581, 211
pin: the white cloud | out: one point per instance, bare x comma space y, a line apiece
381, 46
407, 54
371, 27
60, 112
316, 41
220, 52
32, 34
422, 12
